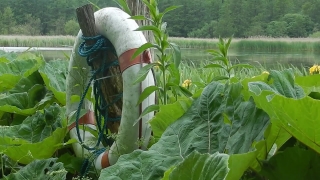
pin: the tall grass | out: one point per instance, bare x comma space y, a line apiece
36, 41
201, 76
254, 44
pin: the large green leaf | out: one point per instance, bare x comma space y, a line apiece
25, 103
201, 166
280, 82
293, 163
54, 74
38, 137
11, 72
300, 117
202, 128
26, 83
28, 152
41, 169
167, 115
37, 127
309, 83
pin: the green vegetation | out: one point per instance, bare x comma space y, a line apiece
255, 44
196, 18
33, 93
243, 18
216, 121
42, 18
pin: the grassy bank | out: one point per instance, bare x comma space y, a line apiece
36, 41
254, 44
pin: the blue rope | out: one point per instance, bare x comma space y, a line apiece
100, 106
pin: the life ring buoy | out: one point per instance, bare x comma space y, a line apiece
115, 25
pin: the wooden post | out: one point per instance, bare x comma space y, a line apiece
110, 86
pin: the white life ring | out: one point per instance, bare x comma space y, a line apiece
113, 24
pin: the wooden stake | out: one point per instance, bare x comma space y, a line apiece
110, 86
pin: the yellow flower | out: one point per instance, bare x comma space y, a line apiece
186, 83
157, 66
315, 69
265, 72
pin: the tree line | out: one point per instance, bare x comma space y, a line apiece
42, 17
195, 18
243, 18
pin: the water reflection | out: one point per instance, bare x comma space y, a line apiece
196, 56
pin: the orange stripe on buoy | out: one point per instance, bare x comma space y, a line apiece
88, 118
105, 160
125, 59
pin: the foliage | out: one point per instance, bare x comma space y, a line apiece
221, 57
196, 18
251, 18
41, 169
71, 27
262, 126
32, 119
167, 63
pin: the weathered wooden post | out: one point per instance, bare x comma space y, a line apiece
111, 79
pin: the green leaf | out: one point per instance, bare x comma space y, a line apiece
142, 74
222, 59
73, 116
54, 74
11, 72
174, 77
240, 66
218, 78
24, 103
214, 52
222, 47
201, 129
28, 152
171, 8
154, 29
151, 8
138, 18
280, 82
71, 163
228, 44
146, 111
309, 83
185, 91
26, 83
123, 5
299, 117
202, 166
141, 49
213, 66
36, 127
146, 92
293, 163
283, 82
138, 165
167, 115
41, 169
177, 54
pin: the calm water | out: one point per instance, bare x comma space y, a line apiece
267, 59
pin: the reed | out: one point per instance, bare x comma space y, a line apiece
36, 41
201, 76
254, 43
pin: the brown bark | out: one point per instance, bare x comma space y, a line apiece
110, 87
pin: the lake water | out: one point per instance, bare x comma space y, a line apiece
266, 59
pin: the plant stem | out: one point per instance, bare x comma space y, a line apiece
164, 87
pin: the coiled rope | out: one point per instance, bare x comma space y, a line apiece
101, 106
